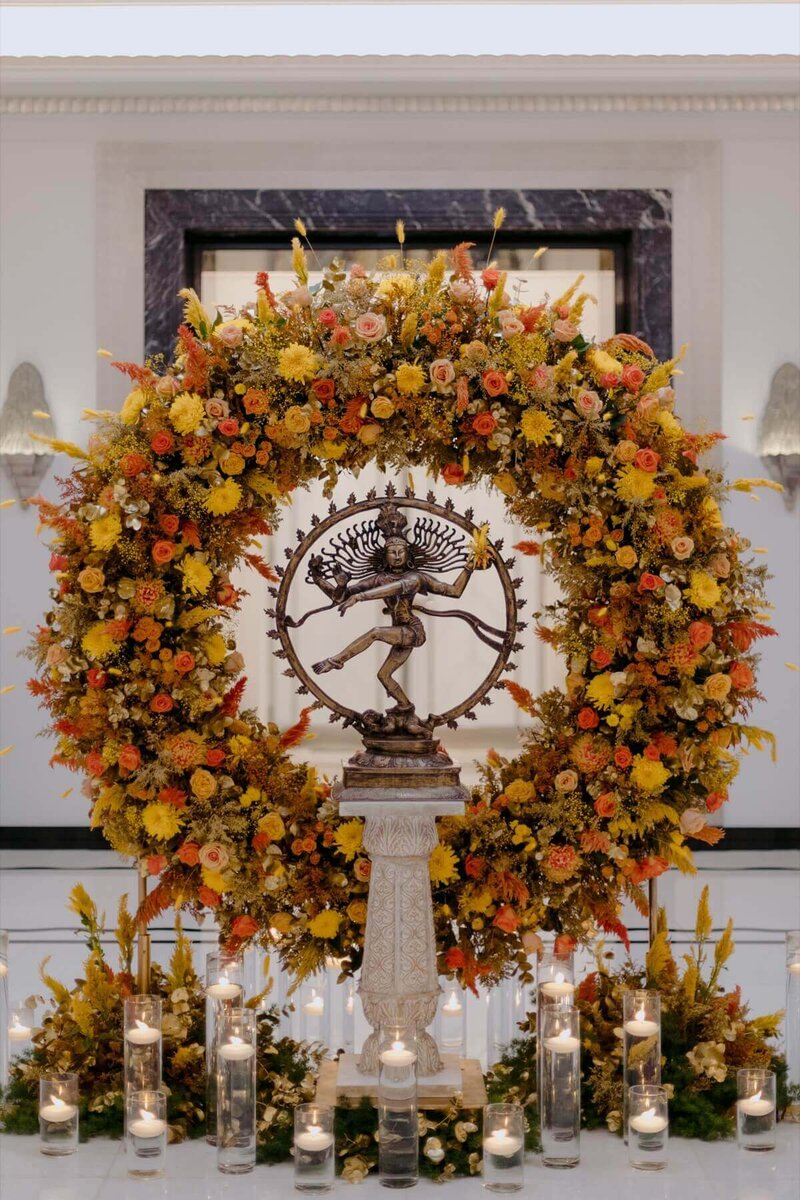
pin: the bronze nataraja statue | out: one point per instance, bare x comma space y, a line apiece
386, 559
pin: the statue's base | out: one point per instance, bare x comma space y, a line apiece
341, 1083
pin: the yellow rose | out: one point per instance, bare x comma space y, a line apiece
203, 784
593, 466
626, 451
325, 924
92, 579
272, 825
626, 557
297, 420
327, 450
382, 407
409, 378
602, 363
282, 922
520, 791
231, 463
357, 912
717, 686
505, 483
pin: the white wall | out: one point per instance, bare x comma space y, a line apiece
71, 279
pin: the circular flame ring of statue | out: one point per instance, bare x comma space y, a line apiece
402, 781
385, 558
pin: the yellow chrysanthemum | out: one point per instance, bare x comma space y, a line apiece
239, 746
97, 642
325, 924
409, 378
634, 484
215, 880
132, 406
297, 363
442, 866
536, 426
105, 532
348, 838
703, 590
187, 412
249, 796
397, 285
162, 821
224, 499
215, 649
601, 691
647, 774
327, 450
196, 575
475, 899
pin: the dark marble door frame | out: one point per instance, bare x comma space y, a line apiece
636, 224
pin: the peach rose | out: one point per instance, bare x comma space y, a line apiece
626, 451
370, 327
647, 406
494, 383
589, 405
700, 634
213, 856
369, 434
682, 548
203, 785
626, 557
167, 387
692, 821
564, 331
216, 409
484, 424
506, 919
453, 473
382, 408
55, 655
510, 324
230, 335
647, 460
717, 686
162, 552
720, 564
462, 290
605, 805
566, 781
442, 373
129, 759
632, 377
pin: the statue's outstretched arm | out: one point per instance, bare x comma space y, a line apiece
439, 588
366, 591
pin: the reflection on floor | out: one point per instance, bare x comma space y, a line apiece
760, 892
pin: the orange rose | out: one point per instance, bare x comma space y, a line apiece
208, 896
244, 927
162, 703
156, 864
506, 919
601, 656
605, 805
484, 424
588, 718
169, 524
132, 464
162, 552
175, 797
184, 662
323, 389
494, 383
700, 634
741, 676
129, 759
453, 473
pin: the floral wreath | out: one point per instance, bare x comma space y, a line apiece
419, 364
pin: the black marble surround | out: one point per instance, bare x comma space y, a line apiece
636, 224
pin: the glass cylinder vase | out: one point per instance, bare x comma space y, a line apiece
560, 1113
503, 1147
314, 1161
58, 1113
648, 1127
143, 1045
555, 988
755, 1109
398, 1137
505, 1009
450, 1029
236, 1091
21, 1027
146, 1133
224, 989
641, 1043
792, 1019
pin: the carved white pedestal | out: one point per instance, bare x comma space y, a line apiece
399, 979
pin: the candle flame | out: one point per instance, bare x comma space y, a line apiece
501, 1133
236, 1041
560, 977
223, 978
648, 1114
757, 1096
314, 1129
57, 1102
146, 1116
639, 1016
15, 1021
452, 999
563, 1036
141, 1024
398, 1045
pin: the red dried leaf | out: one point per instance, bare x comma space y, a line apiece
521, 697
462, 260
232, 699
136, 373
710, 834
529, 548
298, 731
259, 564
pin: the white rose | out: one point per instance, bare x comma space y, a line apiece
692, 821
462, 291
442, 373
589, 405
510, 324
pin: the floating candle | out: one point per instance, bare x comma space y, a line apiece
563, 1043
453, 1007
558, 988
4, 969
314, 1138
223, 989
17, 1032
57, 1110
755, 1106
148, 1125
315, 1007
501, 1144
350, 1006
639, 1027
236, 1050
143, 1034
794, 968
648, 1122
398, 1056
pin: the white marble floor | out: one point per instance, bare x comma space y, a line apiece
696, 1171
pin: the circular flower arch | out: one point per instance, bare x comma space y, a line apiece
423, 364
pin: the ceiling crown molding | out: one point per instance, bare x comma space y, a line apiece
238, 105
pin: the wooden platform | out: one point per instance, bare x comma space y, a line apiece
472, 1093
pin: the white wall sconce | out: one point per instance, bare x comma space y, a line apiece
26, 461
779, 431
